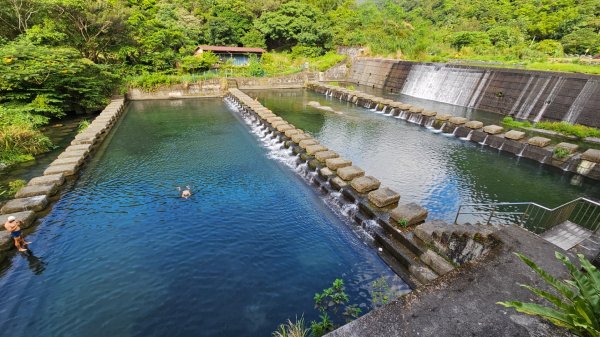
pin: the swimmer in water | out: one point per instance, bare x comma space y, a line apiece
186, 192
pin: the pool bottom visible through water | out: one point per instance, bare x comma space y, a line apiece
121, 254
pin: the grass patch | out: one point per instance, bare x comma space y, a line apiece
20, 138
565, 128
560, 153
510, 122
14, 187
84, 124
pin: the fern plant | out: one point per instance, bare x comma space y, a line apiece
577, 305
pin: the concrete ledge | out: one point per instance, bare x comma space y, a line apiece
458, 120
474, 125
493, 129
36, 204
365, 184
313, 149
300, 137
514, 135
337, 163
592, 155
350, 172
383, 197
68, 161
73, 154
539, 141
410, 213
307, 142
324, 155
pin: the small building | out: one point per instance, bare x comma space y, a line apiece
239, 55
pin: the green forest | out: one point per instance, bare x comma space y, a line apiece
60, 57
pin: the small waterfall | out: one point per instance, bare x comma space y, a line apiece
591, 86
520, 154
477, 93
430, 122
534, 95
518, 101
454, 132
392, 111
443, 83
440, 129
402, 115
501, 147
484, 140
570, 166
384, 109
559, 83
327, 93
468, 137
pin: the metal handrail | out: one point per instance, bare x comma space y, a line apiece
538, 218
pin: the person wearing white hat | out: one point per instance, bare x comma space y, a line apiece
12, 225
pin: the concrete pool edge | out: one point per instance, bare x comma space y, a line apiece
405, 253
563, 155
33, 200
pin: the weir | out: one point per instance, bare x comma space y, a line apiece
536, 148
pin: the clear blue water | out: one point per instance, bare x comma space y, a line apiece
438, 171
122, 255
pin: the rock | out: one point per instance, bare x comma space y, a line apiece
338, 183
275, 124
592, 155
324, 155
299, 137
36, 203
337, 163
26, 218
383, 197
58, 179
514, 135
73, 154
567, 146
290, 133
365, 184
67, 169
439, 265
33, 190
443, 117
350, 172
307, 142
6, 241
474, 125
493, 129
312, 149
409, 214
458, 120
427, 113
539, 141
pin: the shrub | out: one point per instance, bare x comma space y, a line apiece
463, 39
197, 63
15, 185
292, 329
582, 41
560, 153
83, 125
510, 122
255, 67
576, 306
550, 47
566, 128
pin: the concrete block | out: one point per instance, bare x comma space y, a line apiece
443, 117
285, 127
308, 142
474, 125
337, 163
324, 155
313, 149
439, 265
69, 160
337, 183
365, 184
493, 129
81, 147
36, 204
410, 213
73, 154
275, 124
299, 137
592, 155
539, 141
326, 172
350, 172
290, 133
427, 113
383, 197
58, 179
67, 169
33, 190
271, 120
514, 135
415, 109
567, 146
458, 120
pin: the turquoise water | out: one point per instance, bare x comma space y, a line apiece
122, 255
440, 172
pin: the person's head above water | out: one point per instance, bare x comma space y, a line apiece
11, 218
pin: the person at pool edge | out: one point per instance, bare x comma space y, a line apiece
186, 192
13, 227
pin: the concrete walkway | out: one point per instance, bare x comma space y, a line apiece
566, 235
463, 302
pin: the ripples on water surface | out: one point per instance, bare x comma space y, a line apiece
437, 171
120, 254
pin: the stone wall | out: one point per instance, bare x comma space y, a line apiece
532, 95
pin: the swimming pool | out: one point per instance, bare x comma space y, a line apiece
121, 254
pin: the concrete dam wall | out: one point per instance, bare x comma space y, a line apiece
532, 95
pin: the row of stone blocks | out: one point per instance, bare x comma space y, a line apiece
562, 155
376, 202
35, 197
